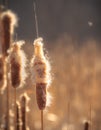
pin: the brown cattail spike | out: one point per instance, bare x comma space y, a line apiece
41, 95
15, 73
17, 64
8, 21
6, 34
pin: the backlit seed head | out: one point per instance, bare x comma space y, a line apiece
17, 61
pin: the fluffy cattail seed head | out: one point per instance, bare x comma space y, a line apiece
8, 21
41, 71
17, 65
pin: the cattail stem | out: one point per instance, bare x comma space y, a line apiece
15, 109
17, 117
42, 120
36, 20
90, 116
8, 93
23, 112
68, 113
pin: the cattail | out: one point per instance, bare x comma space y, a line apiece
86, 125
17, 64
41, 73
17, 60
8, 21
24, 108
2, 74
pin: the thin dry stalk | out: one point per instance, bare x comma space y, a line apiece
68, 114
90, 116
42, 120
15, 111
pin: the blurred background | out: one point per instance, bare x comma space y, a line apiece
78, 18
71, 32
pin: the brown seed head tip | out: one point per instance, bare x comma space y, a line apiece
25, 95
24, 101
86, 125
9, 17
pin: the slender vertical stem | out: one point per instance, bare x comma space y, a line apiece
7, 119
5, 3
41, 119
15, 107
90, 116
36, 20
23, 112
68, 114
